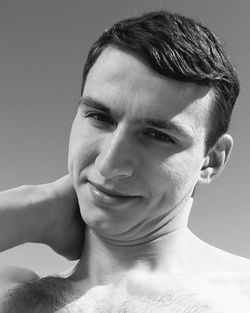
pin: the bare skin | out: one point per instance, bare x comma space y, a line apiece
46, 213
139, 288
134, 184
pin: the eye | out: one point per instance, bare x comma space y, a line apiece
159, 136
100, 117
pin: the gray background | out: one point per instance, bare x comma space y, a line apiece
43, 45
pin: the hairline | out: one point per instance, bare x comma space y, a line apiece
208, 122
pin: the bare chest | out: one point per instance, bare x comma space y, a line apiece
160, 295
100, 300
137, 293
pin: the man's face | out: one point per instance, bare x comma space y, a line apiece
136, 146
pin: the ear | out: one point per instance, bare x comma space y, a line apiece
216, 159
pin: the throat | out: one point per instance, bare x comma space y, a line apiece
103, 262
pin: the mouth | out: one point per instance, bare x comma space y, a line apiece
110, 192
110, 197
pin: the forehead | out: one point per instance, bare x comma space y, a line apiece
127, 84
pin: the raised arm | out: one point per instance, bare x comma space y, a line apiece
46, 213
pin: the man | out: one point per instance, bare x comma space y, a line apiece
157, 96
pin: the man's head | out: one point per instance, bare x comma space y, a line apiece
138, 142
180, 48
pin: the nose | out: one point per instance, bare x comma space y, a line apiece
115, 159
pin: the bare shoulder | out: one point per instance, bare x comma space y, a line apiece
16, 275
11, 277
221, 260
214, 259
22, 290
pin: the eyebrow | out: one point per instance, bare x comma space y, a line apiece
170, 126
160, 124
95, 104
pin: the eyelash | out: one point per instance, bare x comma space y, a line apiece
159, 136
103, 118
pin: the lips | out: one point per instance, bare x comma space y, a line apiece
109, 192
110, 197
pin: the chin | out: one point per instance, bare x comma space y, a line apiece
101, 224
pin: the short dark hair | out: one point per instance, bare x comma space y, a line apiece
180, 48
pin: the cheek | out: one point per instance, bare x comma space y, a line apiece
82, 150
176, 176
185, 171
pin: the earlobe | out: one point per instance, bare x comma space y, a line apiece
216, 159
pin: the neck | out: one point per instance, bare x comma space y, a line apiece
103, 260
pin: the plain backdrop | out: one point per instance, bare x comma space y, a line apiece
43, 46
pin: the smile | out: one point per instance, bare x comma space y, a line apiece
104, 196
